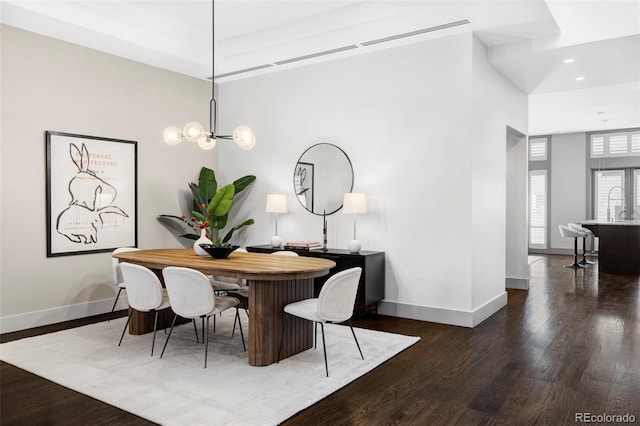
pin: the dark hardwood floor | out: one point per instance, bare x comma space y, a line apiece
571, 344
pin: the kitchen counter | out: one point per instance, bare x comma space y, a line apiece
619, 250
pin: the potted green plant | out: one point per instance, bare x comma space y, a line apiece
211, 207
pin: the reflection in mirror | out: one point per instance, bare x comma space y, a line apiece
322, 176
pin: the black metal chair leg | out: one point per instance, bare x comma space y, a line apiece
284, 324
125, 327
169, 335
206, 341
116, 301
315, 334
155, 325
324, 348
239, 324
195, 329
203, 330
235, 320
356, 339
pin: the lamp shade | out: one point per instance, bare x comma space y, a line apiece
172, 135
353, 203
192, 131
244, 137
276, 203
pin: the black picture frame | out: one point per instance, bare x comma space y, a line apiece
91, 194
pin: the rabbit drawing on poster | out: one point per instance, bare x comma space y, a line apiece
91, 199
81, 225
84, 184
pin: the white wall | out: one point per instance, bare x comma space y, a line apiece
517, 267
404, 117
52, 85
568, 179
497, 103
412, 120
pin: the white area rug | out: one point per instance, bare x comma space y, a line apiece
177, 390
533, 259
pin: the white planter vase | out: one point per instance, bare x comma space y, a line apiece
202, 240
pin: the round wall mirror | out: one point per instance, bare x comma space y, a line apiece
322, 176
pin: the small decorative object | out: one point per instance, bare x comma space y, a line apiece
276, 203
203, 240
218, 252
302, 245
354, 203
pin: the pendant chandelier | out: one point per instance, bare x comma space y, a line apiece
194, 132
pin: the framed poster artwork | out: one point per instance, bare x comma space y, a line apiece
91, 194
303, 184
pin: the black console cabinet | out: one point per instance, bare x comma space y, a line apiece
371, 288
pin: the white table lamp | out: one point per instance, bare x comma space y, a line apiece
276, 203
354, 203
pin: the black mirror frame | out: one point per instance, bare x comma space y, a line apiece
295, 171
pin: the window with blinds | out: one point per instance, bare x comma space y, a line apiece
538, 209
608, 194
636, 182
635, 143
538, 149
597, 146
618, 144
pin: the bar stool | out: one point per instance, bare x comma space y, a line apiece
584, 230
567, 232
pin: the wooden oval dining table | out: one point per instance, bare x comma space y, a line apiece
274, 281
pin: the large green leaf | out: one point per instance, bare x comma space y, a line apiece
235, 228
243, 182
207, 183
222, 221
198, 197
221, 202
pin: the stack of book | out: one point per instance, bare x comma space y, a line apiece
302, 245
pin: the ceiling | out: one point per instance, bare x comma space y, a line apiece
528, 41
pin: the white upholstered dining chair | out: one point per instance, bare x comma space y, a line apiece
333, 305
144, 293
285, 253
227, 284
117, 273
192, 296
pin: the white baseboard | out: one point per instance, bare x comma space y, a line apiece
441, 315
517, 283
65, 313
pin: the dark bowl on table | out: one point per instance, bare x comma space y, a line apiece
218, 252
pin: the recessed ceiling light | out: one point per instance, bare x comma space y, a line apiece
569, 61
579, 78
